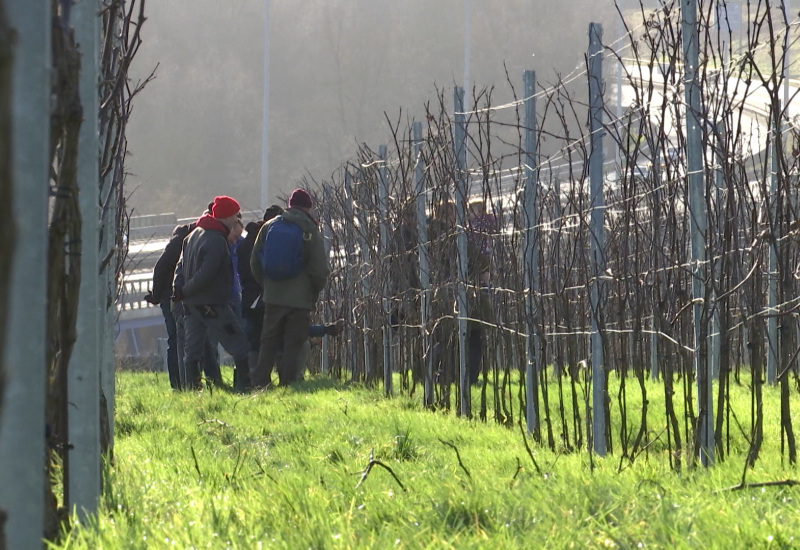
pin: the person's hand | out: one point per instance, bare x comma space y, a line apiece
334, 329
177, 295
150, 299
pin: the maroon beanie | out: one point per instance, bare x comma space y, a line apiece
224, 207
300, 197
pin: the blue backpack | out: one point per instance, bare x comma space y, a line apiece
282, 253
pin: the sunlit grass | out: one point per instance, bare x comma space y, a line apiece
285, 469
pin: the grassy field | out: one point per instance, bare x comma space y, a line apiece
289, 468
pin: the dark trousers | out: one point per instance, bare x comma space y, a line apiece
220, 322
474, 353
173, 368
285, 330
210, 362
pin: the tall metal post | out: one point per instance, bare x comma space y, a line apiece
597, 236
83, 376
424, 262
772, 280
720, 137
365, 275
351, 256
699, 228
467, 20
531, 263
385, 301
22, 445
773, 335
461, 180
327, 233
107, 293
265, 115
619, 66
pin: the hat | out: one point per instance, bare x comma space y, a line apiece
272, 212
224, 207
300, 197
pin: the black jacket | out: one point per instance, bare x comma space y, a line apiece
251, 288
164, 270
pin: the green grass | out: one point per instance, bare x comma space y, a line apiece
285, 469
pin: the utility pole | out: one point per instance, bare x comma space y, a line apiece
265, 116
467, 21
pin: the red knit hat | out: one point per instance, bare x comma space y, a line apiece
224, 207
300, 197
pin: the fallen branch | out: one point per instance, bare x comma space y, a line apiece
373, 462
458, 456
740, 486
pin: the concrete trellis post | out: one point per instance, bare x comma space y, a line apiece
531, 256
772, 275
351, 254
22, 448
365, 275
385, 302
424, 262
597, 237
83, 377
327, 233
461, 181
699, 228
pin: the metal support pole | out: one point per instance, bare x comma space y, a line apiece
531, 258
327, 233
699, 228
424, 262
461, 181
349, 271
597, 237
385, 301
22, 445
772, 276
83, 376
366, 268
721, 130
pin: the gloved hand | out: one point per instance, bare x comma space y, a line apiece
150, 299
334, 329
177, 294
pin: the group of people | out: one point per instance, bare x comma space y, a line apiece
212, 289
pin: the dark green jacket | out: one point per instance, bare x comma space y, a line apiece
301, 291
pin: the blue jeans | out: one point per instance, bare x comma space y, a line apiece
173, 368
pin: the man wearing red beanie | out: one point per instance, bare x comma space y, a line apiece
207, 273
288, 302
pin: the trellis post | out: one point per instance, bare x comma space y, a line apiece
22, 447
531, 256
83, 376
424, 262
461, 183
699, 228
597, 237
383, 200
